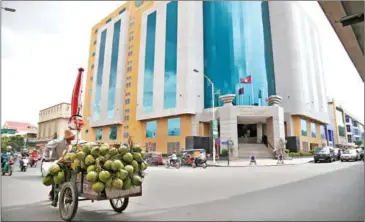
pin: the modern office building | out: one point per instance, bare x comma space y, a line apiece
150, 65
346, 128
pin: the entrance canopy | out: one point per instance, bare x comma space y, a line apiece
351, 36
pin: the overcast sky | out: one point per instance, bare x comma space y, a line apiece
43, 44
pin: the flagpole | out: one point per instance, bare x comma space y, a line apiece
252, 96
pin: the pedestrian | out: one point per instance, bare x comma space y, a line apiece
53, 151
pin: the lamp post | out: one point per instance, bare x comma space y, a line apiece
8, 9
213, 116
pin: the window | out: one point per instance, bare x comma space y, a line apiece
347, 119
151, 148
129, 62
313, 130
126, 111
127, 101
129, 69
129, 77
151, 128
128, 84
348, 128
354, 124
67, 108
127, 94
121, 11
357, 138
87, 131
96, 31
173, 147
92, 66
113, 133
126, 135
126, 118
349, 138
109, 20
173, 127
130, 53
303, 127
126, 127
323, 132
91, 78
356, 132
99, 134
93, 54
95, 42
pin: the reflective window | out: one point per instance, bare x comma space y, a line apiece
99, 77
173, 127
149, 63
237, 44
113, 70
348, 128
356, 132
313, 130
349, 138
99, 134
151, 128
340, 123
303, 127
113, 133
323, 132
170, 55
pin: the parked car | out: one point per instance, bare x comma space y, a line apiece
338, 153
350, 155
324, 154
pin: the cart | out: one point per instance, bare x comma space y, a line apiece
76, 188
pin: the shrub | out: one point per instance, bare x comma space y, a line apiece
293, 154
311, 152
224, 153
305, 154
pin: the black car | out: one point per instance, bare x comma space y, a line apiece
324, 154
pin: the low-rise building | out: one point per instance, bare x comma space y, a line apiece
24, 129
52, 122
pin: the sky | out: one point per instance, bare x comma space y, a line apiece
44, 43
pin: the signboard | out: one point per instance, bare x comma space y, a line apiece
215, 129
228, 142
8, 131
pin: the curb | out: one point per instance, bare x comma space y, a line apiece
271, 165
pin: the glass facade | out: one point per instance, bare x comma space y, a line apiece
149, 63
322, 130
173, 127
113, 133
340, 123
113, 70
99, 77
313, 130
356, 132
151, 128
303, 127
99, 134
170, 55
237, 44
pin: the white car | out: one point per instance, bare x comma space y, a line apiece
350, 155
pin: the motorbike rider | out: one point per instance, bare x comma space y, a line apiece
202, 156
34, 156
5, 157
173, 158
54, 151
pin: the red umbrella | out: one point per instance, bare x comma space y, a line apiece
75, 121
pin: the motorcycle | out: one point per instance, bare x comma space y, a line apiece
200, 162
33, 162
174, 163
8, 169
24, 164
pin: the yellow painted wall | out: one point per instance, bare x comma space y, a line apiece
162, 137
297, 132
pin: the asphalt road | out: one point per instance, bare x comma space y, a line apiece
321, 192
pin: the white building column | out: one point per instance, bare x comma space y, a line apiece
259, 132
228, 123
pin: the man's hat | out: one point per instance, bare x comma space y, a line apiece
68, 134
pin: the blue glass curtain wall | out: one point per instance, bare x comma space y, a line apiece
237, 43
170, 55
149, 63
113, 70
99, 77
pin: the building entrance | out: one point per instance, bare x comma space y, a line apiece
247, 130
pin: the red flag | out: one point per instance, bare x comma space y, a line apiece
241, 91
247, 79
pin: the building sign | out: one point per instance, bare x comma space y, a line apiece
254, 111
8, 131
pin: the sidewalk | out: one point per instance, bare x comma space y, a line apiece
260, 162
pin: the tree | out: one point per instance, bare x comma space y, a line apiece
358, 143
16, 142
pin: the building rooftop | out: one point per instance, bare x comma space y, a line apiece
20, 126
54, 106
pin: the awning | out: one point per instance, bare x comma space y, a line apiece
351, 36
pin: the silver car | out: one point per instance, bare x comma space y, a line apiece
350, 155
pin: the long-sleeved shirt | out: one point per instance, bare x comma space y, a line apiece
54, 149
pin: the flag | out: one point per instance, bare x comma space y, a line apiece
241, 91
247, 79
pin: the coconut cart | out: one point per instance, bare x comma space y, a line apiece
76, 188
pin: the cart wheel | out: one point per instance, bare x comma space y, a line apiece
68, 202
119, 204
204, 165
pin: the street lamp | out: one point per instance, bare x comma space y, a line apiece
8, 9
213, 116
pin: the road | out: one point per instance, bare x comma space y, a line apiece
324, 192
